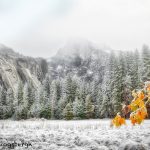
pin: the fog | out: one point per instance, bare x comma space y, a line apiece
40, 27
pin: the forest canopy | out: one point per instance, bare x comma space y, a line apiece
68, 96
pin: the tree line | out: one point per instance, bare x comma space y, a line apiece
72, 97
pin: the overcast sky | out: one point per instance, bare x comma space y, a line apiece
40, 27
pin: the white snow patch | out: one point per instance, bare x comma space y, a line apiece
59, 68
89, 72
76, 135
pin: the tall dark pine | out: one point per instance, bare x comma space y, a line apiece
146, 63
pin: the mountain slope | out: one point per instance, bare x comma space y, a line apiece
79, 58
15, 67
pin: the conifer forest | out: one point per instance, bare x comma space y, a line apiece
77, 86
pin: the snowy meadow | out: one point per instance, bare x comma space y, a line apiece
73, 135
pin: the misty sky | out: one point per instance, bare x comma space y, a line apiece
40, 27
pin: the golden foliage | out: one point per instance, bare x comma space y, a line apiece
118, 121
137, 107
138, 116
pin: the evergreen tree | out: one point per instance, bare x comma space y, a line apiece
53, 99
68, 112
19, 94
3, 109
78, 108
58, 89
56, 97
146, 63
132, 68
26, 101
18, 103
9, 102
106, 106
69, 88
112, 65
36, 109
136, 76
98, 103
118, 88
83, 91
46, 88
94, 91
89, 107
44, 103
108, 84
127, 90
30, 91
61, 106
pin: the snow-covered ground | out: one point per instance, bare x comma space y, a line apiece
74, 135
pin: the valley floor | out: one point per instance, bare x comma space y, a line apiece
73, 135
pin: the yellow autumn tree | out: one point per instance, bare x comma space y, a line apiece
137, 107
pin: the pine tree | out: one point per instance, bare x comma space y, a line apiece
136, 76
61, 106
53, 99
94, 89
83, 91
58, 89
132, 68
111, 71
3, 109
118, 88
1, 104
46, 88
89, 107
78, 108
146, 63
44, 103
36, 109
9, 102
98, 102
127, 90
106, 105
74, 88
68, 112
26, 101
3, 95
94, 94
69, 88
31, 95
56, 93
108, 84
19, 94
18, 103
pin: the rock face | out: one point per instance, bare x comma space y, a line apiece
79, 58
15, 67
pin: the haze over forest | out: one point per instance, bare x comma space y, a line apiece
39, 28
